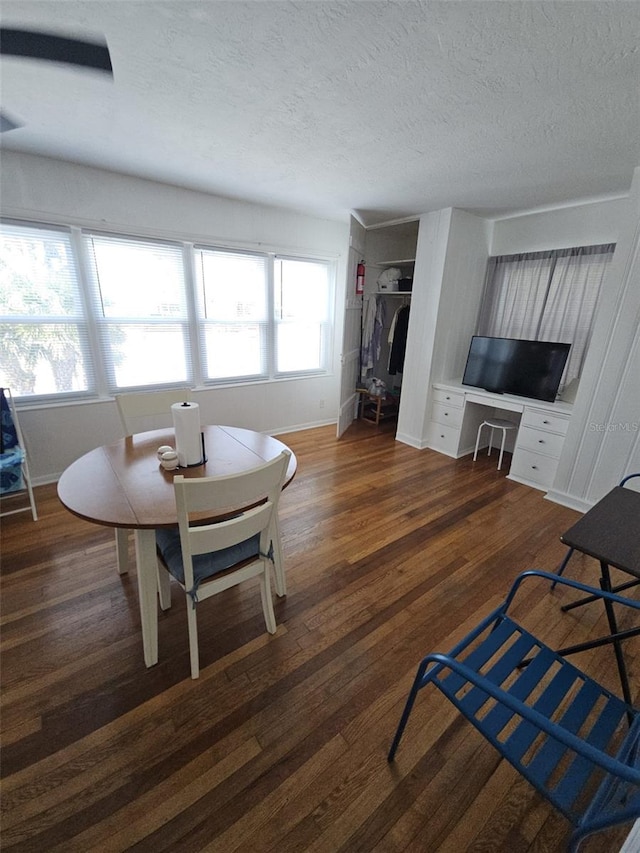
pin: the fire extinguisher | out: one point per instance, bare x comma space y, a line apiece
360, 279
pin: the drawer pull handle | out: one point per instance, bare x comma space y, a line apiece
446, 414
541, 441
447, 398
441, 435
534, 467
545, 422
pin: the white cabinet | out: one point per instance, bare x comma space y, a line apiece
447, 410
538, 447
457, 411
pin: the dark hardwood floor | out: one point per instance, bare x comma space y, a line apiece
281, 744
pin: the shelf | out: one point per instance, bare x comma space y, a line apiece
392, 292
373, 408
404, 262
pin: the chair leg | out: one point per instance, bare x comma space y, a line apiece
192, 624
563, 565
164, 588
415, 687
504, 436
278, 561
475, 452
489, 449
122, 550
267, 603
32, 500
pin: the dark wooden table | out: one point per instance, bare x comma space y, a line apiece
610, 532
123, 485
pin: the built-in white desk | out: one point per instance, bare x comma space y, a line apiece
458, 410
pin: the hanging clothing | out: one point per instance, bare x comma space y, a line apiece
372, 324
400, 327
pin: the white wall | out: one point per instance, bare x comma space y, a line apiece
603, 440
45, 190
581, 225
451, 258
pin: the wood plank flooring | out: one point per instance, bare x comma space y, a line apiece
281, 744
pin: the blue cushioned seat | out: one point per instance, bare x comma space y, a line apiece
204, 565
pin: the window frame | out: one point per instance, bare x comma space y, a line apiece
326, 325
204, 322
101, 378
82, 322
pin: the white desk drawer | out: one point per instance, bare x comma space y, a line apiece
446, 414
443, 438
539, 441
539, 419
448, 398
533, 466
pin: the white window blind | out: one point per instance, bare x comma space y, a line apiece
139, 295
43, 330
89, 314
233, 313
302, 291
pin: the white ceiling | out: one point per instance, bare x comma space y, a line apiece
387, 109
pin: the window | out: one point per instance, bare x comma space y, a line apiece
86, 314
301, 297
43, 330
141, 311
546, 296
245, 338
233, 312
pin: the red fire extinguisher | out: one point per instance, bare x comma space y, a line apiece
360, 279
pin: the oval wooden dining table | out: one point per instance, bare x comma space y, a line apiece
123, 485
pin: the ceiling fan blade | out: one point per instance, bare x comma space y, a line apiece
7, 123
55, 48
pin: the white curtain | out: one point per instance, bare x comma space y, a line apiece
546, 296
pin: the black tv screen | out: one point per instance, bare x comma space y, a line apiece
510, 366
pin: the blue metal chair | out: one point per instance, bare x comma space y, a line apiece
561, 730
14, 470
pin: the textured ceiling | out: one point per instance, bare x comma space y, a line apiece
387, 109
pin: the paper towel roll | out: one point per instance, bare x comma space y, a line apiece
186, 423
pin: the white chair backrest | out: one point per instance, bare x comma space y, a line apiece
145, 410
228, 494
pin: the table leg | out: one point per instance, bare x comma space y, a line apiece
147, 589
122, 550
605, 584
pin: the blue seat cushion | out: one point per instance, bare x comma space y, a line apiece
204, 565
11, 470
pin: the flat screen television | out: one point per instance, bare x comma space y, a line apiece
511, 366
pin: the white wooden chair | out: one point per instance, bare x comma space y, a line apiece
14, 467
141, 411
206, 559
